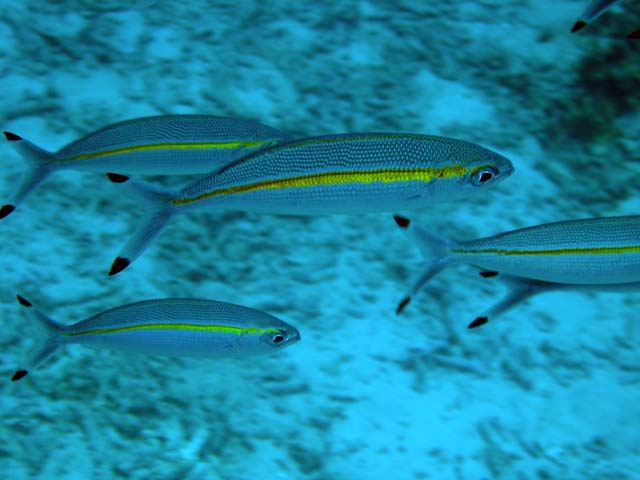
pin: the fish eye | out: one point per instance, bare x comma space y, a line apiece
277, 337
483, 175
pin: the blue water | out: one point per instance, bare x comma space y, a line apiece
550, 391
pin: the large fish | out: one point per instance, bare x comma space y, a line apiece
174, 326
162, 145
595, 253
350, 173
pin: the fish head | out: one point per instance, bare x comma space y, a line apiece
490, 169
483, 169
281, 336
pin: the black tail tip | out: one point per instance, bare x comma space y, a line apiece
12, 137
402, 305
488, 273
579, 25
118, 265
117, 178
635, 34
6, 210
23, 301
18, 375
478, 322
402, 222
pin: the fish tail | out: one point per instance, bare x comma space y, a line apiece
520, 289
39, 165
434, 247
46, 348
635, 34
157, 203
578, 25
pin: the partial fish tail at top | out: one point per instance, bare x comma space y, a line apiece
39, 167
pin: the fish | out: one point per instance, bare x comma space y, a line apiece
171, 326
332, 174
600, 253
159, 145
594, 9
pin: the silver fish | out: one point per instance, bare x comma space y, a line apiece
350, 173
161, 145
594, 253
174, 326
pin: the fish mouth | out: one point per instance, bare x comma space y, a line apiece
505, 168
294, 336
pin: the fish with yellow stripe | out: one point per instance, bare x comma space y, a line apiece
595, 253
160, 145
334, 174
173, 326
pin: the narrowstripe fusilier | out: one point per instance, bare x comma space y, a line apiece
594, 253
174, 326
161, 145
348, 173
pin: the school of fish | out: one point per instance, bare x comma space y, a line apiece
247, 166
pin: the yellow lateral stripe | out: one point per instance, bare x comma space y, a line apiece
192, 327
559, 251
425, 174
170, 146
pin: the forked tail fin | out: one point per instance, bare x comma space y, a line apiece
38, 167
51, 341
520, 289
436, 250
157, 203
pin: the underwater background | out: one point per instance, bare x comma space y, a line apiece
551, 390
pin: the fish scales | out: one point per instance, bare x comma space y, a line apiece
586, 251
177, 326
585, 254
168, 144
161, 145
343, 174
173, 326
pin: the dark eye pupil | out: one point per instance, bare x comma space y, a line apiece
485, 177
277, 338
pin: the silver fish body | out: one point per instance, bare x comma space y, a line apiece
167, 145
160, 145
349, 173
588, 251
175, 327
594, 253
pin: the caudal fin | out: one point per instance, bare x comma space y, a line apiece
52, 339
433, 247
157, 203
520, 289
39, 166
